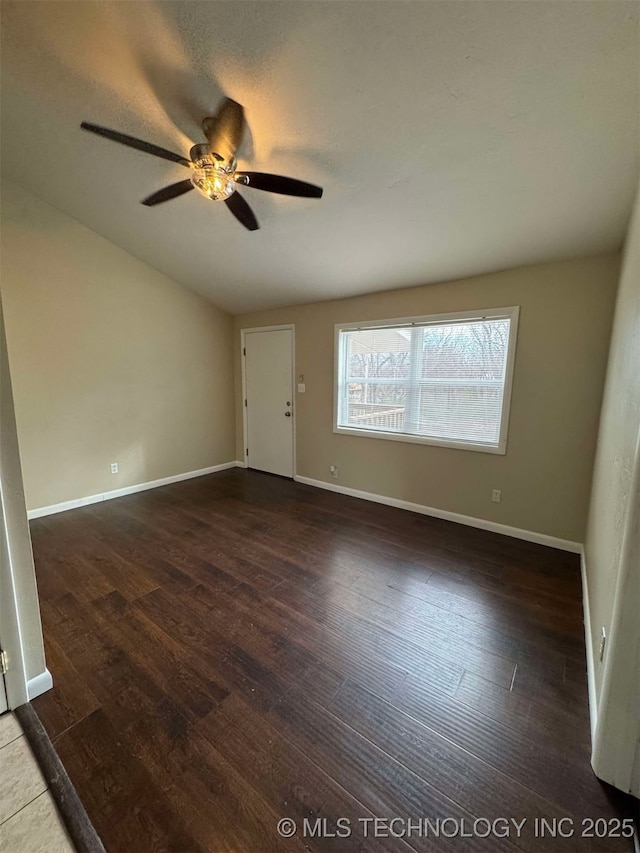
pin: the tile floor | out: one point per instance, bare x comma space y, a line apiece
29, 820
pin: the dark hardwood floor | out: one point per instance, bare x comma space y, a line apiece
237, 649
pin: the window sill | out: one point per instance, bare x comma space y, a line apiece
419, 439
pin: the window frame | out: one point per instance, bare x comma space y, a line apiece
511, 313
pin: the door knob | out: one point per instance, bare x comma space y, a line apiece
287, 414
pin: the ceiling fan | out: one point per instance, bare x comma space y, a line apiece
213, 165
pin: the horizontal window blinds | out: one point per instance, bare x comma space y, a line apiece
441, 380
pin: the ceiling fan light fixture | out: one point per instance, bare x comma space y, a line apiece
213, 178
213, 166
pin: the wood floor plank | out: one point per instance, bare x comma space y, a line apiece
296, 786
72, 700
238, 648
429, 618
533, 716
395, 641
170, 665
381, 781
237, 670
126, 805
346, 656
568, 783
219, 807
453, 770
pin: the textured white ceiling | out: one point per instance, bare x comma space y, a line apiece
452, 138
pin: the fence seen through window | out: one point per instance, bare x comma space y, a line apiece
442, 380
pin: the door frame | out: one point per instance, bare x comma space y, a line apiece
243, 333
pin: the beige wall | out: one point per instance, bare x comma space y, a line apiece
617, 451
545, 476
111, 360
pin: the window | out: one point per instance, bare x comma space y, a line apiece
441, 380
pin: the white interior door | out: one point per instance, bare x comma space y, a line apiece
269, 400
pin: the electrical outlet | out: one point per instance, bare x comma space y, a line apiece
114, 467
334, 471
496, 496
301, 388
603, 643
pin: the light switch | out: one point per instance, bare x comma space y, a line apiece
301, 387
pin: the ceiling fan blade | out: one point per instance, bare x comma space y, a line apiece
242, 212
132, 142
224, 130
279, 184
167, 193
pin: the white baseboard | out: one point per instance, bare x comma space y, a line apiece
591, 670
127, 490
470, 521
39, 684
240, 464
